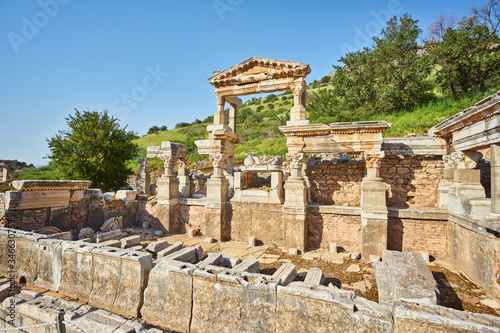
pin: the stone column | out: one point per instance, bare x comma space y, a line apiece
447, 181
168, 197
184, 182
495, 179
373, 208
233, 110
220, 117
217, 194
466, 180
298, 111
143, 177
5, 173
295, 206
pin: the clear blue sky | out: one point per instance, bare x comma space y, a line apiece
57, 55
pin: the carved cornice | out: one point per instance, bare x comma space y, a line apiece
305, 130
51, 185
277, 69
360, 127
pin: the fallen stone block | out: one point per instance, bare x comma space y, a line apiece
136, 248
85, 240
113, 234
192, 232
187, 254
126, 195
169, 250
130, 241
315, 276
209, 240
293, 251
63, 236
213, 259
425, 255
199, 253
333, 248
157, 246
230, 262
286, 273
111, 243
252, 241
374, 258
248, 265
405, 276
356, 256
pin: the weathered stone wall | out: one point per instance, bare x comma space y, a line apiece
198, 184
325, 227
109, 278
263, 221
28, 219
476, 253
418, 235
412, 180
337, 183
215, 299
193, 215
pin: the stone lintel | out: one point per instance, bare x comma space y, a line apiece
50, 185
414, 146
360, 127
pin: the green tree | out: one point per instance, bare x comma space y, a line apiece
153, 130
94, 148
402, 67
468, 58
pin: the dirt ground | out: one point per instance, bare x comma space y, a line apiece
456, 291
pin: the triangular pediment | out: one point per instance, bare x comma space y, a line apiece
257, 69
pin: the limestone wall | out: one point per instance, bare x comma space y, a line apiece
263, 221
409, 235
108, 278
326, 224
476, 252
337, 183
412, 181
192, 215
215, 299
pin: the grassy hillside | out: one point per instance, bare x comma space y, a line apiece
258, 123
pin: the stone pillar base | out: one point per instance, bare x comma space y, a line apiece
168, 203
168, 217
373, 217
466, 184
215, 208
295, 233
373, 233
295, 213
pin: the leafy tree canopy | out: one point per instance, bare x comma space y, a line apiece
95, 148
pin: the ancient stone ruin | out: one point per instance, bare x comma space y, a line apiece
396, 201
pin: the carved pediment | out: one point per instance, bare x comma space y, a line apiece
257, 69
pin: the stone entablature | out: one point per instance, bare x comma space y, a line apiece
258, 75
51, 185
483, 109
336, 138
